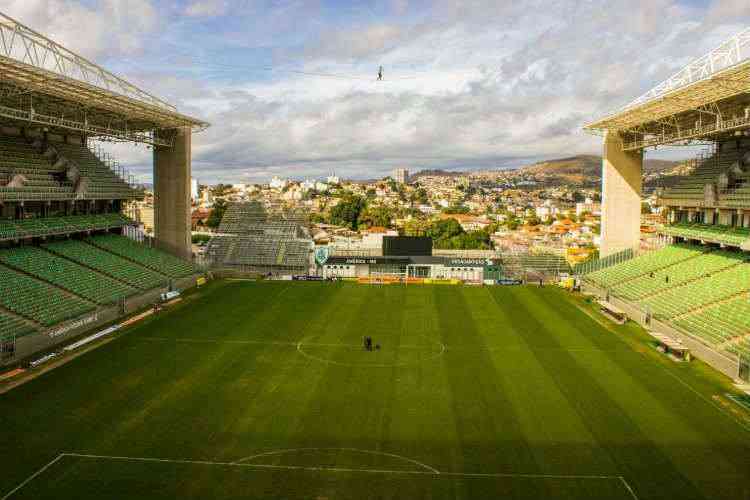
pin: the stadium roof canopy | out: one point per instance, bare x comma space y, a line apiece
709, 99
44, 83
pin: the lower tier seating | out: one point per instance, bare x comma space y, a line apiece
109, 264
643, 265
36, 300
683, 299
677, 274
721, 323
61, 272
11, 326
148, 257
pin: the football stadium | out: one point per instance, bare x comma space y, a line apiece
274, 370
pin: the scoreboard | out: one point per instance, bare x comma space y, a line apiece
407, 245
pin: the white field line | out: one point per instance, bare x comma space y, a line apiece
429, 472
358, 346
33, 476
356, 450
342, 469
629, 488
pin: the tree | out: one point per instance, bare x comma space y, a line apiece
444, 229
419, 196
376, 216
214, 218
348, 210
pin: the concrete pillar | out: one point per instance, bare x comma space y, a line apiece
172, 195
621, 197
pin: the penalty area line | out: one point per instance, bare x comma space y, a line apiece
431, 472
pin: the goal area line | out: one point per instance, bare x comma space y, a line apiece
254, 466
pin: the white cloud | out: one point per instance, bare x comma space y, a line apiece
475, 83
114, 27
206, 8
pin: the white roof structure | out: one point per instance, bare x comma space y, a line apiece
42, 82
706, 99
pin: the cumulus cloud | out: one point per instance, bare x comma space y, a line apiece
111, 28
469, 84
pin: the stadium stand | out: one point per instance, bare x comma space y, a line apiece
25, 174
243, 218
36, 300
141, 254
252, 239
11, 326
720, 323
48, 226
733, 236
102, 183
642, 265
676, 274
107, 263
66, 274
684, 298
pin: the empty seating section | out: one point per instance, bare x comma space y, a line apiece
11, 326
720, 323
692, 186
243, 218
19, 158
259, 251
28, 228
677, 274
103, 182
148, 257
706, 232
107, 263
706, 294
66, 274
683, 299
36, 300
741, 348
644, 264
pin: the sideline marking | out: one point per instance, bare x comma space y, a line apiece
357, 450
34, 475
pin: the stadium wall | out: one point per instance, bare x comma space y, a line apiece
68, 331
720, 362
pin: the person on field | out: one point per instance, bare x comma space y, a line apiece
380, 74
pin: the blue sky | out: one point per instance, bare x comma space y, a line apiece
289, 85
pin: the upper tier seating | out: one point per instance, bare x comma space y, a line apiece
36, 300
11, 326
103, 182
691, 187
679, 273
19, 158
66, 274
148, 257
107, 263
733, 236
240, 218
27, 228
642, 265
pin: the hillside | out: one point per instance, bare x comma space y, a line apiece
586, 169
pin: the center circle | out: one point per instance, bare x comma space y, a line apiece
389, 350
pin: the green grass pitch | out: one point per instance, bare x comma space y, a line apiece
262, 390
